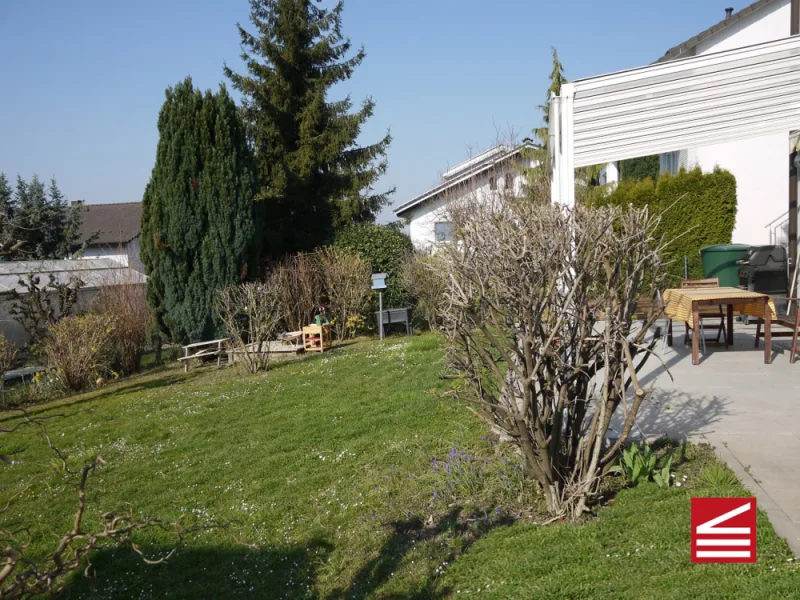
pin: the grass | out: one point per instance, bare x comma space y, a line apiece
349, 475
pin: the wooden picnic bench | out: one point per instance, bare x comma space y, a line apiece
202, 349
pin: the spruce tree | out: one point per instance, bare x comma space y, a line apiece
198, 215
557, 79
314, 178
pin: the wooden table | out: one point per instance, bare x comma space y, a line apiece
686, 304
201, 349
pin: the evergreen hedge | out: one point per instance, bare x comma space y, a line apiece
698, 210
384, 249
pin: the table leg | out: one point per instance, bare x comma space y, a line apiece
695, 334
767, 333
669, 333
186, 362
729, 328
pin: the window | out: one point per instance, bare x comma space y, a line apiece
509, 181
443, 231
492, 183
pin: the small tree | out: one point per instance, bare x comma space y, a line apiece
537, 312
80, 349
250, 314
39, 307
421, 277
123, 298
348, 286
299, 286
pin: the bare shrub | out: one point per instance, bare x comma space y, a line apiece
250, 313
123, 298
40, 305
423, 279
537, 312
79, 347
347, 285
299, 287
22, 577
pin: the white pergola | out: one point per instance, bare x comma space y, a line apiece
708, 99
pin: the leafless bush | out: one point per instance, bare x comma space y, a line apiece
79, 347
537, 311
423, 278
347, 285
250, 313
123, 297
40, 305
21, 577
299, 287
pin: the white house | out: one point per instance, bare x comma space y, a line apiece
112, 231
760, 164
496, 171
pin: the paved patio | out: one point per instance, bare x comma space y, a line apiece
749, 412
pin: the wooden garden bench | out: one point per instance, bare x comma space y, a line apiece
203, 349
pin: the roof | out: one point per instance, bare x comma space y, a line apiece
685, 49
93, 272
114, 224
466, 170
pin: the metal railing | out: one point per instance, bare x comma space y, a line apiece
779, 230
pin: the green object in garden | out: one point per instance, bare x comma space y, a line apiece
720, 261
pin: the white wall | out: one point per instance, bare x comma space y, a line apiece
760, 165
761, 168
765, 25
423, 218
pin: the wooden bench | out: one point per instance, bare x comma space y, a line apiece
203, 349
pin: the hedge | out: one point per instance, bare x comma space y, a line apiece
385, 249
697, 210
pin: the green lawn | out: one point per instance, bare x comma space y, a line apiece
348, 475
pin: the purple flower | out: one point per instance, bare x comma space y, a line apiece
435, 495
453, 452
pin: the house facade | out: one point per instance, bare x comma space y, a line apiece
496, 172
112, 231
761, 164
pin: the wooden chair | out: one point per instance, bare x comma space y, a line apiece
788, 316
715, 315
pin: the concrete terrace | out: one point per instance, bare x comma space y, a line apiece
748, 411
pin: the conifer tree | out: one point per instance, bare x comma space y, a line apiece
39, 220
198, 215
314, 178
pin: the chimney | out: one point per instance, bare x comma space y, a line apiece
728, 12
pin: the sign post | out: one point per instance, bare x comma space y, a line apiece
379, 283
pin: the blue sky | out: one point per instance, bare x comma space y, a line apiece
81, 82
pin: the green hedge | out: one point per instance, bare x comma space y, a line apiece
640, 168
698, 210
385, 249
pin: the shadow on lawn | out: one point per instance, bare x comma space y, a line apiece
406, 534
290, 572
233, 572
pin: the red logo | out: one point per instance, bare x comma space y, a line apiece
724, 530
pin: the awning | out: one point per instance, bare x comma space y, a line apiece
708, 99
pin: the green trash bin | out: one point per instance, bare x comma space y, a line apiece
720, 261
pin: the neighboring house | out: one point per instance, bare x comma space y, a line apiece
112, 231
93, 273
760, 165
491, 173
